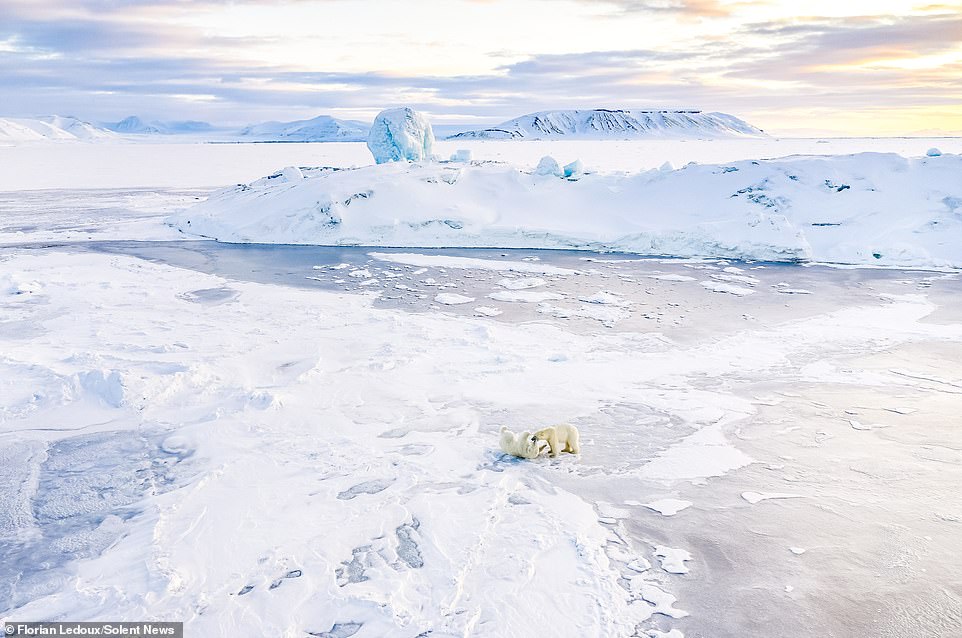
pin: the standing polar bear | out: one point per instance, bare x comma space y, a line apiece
524, 445
563, 437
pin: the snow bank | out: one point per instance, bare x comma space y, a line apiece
400, 134
863, 208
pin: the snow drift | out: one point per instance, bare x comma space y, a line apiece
615, 124
868, 208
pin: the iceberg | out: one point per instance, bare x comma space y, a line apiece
574, 169
548, 166
400, 134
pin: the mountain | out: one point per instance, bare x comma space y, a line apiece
136, 126
599, 124
323, 128
50, 127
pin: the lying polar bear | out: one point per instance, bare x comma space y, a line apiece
523, 445
563, 437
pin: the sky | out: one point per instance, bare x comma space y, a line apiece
843, 67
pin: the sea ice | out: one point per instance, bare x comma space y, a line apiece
668, 506
757, 497
521, 283
524, 296
400, 134
672, 559
452, 299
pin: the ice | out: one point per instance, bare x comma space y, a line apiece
668, 506
452, 299
933, 152
574, 169
472, 263
106, 386
606, 298
703, 454
672, 559
400, 134
13, 284
462, 155
789, 209
261, 454
292, 173
757, 497
738, 291
522, 283
524, 296
548, 166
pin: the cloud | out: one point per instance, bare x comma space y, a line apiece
685, 8
104, 59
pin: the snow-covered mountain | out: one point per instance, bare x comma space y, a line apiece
323, 128
135, 125
50, 127
597, 124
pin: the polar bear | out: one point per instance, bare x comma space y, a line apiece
523, 445
563, 437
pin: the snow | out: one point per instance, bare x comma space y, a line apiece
322, 128
668, 506
134, 125
672, 559
757, 497
524, 296
260, 457
51, 128
446, 261
738, 291
615, 124
400, 134
865, 208
522, 283
452, 299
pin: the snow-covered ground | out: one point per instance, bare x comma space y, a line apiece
866, 208
294, 440
191, 165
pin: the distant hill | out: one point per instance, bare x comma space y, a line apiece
323, 128
135, 126
50, 127
598, 124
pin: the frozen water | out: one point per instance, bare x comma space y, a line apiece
548, 166
400, 134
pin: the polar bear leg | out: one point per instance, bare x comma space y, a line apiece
573, 444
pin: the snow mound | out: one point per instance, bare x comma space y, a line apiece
867, 208
615, 124
400, 134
